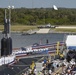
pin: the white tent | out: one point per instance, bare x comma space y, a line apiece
71, 42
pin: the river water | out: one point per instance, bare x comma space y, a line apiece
26, 40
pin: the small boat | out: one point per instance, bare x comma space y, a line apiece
47, 26
30, 32
37, 49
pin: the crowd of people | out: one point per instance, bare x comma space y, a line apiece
69, 68
47, 68
51, 67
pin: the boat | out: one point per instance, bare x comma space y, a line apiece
36, 49
29, 32
47, 26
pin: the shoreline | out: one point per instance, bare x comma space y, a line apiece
25, 29
39, 33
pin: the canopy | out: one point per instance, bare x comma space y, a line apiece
71, 42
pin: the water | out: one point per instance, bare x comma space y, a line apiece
26, 40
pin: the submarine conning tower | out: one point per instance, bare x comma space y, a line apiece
6, 41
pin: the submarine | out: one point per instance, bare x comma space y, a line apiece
6, 42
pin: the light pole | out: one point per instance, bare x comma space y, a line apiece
7, 41
9, 19
32, 4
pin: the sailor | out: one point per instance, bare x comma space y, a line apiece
47, 41
32, 66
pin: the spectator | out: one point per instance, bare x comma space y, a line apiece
50, 71
57, 73
35, 72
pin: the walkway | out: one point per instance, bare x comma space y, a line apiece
44, 30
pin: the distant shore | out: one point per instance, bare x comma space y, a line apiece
24, 28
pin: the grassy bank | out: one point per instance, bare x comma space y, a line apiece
22, 28
64, 30
19, 27
26, 28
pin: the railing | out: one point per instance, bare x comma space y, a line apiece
32, 56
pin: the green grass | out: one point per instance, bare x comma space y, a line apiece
1, 27
28, 27
22, 28
65, 30
19, 27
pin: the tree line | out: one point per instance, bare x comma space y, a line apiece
41, 16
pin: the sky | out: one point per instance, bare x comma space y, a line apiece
38, 3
